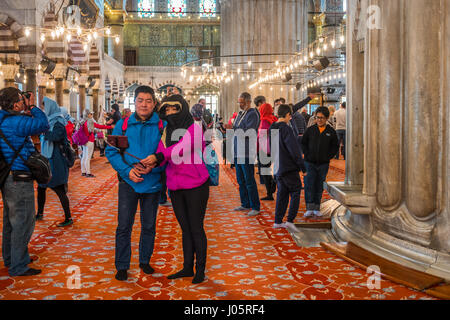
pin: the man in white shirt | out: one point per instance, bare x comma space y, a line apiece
341, 126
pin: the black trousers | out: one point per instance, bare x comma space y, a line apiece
61, 192
190, 209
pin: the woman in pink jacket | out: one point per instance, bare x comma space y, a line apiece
181, 148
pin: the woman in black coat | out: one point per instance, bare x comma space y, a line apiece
52, 142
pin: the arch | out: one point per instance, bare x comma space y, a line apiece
13, 39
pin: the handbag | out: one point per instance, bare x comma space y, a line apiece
79, 137
39, 167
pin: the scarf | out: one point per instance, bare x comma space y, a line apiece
54, 116
181, 120
266, 111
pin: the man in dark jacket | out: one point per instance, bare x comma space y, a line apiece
246, 126
19, 119
320, 145
288, 163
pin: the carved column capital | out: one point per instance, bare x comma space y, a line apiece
9, 71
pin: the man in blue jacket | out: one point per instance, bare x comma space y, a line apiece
246, 122
19, 119
136, 183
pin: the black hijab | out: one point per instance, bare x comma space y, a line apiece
180, 120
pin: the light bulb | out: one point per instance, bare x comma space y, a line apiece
249, 63
79, 31
239, 70
42, 37
277, 63
311, 55
117, 40
333, 43
69, 37
108, 31
95, 35
342, 39
53, 34
27, 32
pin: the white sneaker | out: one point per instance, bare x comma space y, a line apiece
318, 214
291, 227
309, 214
253, 213
279, 226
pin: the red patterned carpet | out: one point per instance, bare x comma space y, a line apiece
247, 258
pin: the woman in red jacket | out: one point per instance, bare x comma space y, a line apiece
89, 126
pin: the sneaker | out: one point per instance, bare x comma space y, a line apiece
318, 214
90, 176
30, 272
83, 174
309, 214
253, 213
65, 223
291, 227
279, 226
241, 209
39, 217
166, 204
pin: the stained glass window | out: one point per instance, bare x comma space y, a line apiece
146, 8
177, 8
207, 8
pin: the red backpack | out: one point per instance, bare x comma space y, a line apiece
125, 126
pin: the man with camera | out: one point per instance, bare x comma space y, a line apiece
19, 119
138, 137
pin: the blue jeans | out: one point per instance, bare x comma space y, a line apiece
248, 190
288, 185
341, 138
18, 224
128, 201
316, 176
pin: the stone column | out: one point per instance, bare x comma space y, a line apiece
41, 94
402, 210
59, 91
31, 80
81, 98
271, 27
59, 74
116, 22
95, 103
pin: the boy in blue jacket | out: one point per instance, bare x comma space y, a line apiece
137, 183
288, 163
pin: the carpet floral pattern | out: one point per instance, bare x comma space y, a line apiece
247, 258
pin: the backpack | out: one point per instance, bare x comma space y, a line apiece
67, 152
125, 126
79, 137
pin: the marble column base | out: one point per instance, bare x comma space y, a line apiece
350, 227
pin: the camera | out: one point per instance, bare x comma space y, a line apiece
26, 94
